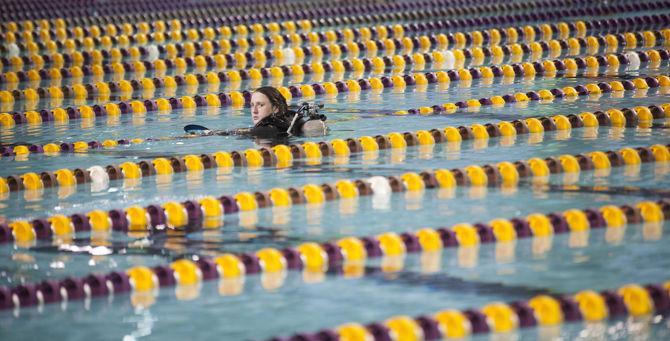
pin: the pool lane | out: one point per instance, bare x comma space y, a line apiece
347, 118
219, 181
326, 302
362, 217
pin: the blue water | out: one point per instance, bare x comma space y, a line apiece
260, 306
461, 279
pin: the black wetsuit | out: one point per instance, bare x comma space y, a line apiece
273, 125
270, 127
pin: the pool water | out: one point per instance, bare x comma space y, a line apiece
410, 282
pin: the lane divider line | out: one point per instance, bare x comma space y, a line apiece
346, 256
195, 213
496, 317
282, 156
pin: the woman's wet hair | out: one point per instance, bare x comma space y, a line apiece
276, 99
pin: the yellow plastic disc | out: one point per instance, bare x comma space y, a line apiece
99, 220
651, 211
637, 300
254, 158
404, 328
589, 119
661, 153
340, 147
142, 278
547, 310
314, 258
534, 125
413, 181
540, 225
479, 131
614, 216
353, 332
186, 272
502, 318
591, 305
61, 225
280, 197
246, 201
211, 207
131, 170
425, 138
368, 143
503, 230
346, 189
312, 150
21, 150
569, 164
65, 177
352, 249
466, 234
138, 218
509, 173
506, 129
454, 324
271, 260
562, 122
391, 244
32, 181
429, 239
538, 167
577, 220
175, 213
223, 160
397, 140
600, 160
230, 266
445, 178
477, 175
313, 194
162, 165
452, 134
630, 156
23, 231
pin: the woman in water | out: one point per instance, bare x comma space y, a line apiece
273, 122
271, 116
272, 119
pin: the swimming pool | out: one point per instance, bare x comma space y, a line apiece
490, 170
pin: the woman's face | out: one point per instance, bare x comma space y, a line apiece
260, 107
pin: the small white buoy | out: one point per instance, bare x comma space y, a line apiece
381, 197
633, 60
99, 178
449, 59
288, 56
380, 186
152, 53
12, 50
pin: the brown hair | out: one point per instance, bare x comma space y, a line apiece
276, 99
